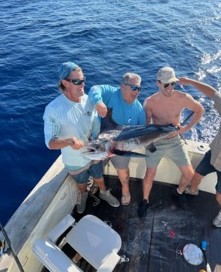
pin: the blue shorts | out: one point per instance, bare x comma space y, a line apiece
95, 170
204, 168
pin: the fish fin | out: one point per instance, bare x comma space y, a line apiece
128, 153
151, 147
142, 130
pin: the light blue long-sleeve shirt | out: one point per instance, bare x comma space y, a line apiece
123, 113
66, 119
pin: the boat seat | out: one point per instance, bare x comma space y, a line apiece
53, 258
60, 228
91, 238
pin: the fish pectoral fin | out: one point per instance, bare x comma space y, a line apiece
127, 153
151, 147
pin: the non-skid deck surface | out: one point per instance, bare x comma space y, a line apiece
155, 243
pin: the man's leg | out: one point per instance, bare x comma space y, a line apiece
148, 182
186, 177
178, 194
121, 165
193, 189
96, 170
106, 194
147, 186
82, 197
218, 198
217, 219
100, 183
152, 161
124, 175
202, 170
82, 187
177, 151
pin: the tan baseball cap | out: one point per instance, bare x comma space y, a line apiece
167, 75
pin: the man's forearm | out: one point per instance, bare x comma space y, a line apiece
56, 143
195, 119
202, 87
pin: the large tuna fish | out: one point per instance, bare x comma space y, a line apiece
122, 140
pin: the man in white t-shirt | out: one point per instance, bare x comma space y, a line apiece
70, 121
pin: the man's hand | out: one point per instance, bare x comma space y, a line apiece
75, 143
179, 131
101, 109
183, 81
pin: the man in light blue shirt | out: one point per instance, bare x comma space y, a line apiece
126, 110
70, 121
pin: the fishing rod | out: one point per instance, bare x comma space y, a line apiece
191, 113
187, 118
11, 248
183, 123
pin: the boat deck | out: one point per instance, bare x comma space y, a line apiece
155, 243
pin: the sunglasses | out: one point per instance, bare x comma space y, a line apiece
167, 84
133, 87
76, 81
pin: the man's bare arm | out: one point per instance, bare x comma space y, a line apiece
148, 112
198, 111
202, 87
73, 142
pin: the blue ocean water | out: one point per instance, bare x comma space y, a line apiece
107, 39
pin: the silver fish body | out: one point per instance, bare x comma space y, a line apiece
123, 140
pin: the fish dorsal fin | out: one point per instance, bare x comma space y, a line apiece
141, 130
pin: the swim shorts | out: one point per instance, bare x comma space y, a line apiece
95, 170
173, 148
205, 167
120, 162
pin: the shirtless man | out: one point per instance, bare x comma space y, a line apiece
165, 107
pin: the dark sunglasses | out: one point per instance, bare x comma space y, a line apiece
167, 84
133, 87
76, 81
